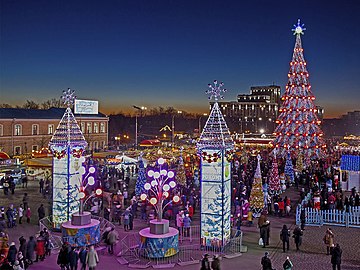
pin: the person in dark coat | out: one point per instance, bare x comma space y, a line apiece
82, 257
30, 249
22, 247
73, 259
11, 257
266, 262
205, 264
336, 257
284, 236
297, 234
302, 219
41, 211
63, 258
215, 264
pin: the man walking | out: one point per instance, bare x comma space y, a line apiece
284, 236
41, 212
336, 257
266, 262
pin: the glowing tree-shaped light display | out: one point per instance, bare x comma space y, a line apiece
274, 179
67, 145
289, 169
180, 173
257, 194
298, 121
141, 179
159, 188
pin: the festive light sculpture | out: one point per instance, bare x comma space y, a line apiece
274, 179
87, 180
298, 121
180, 174
213, 147
289, 169
141, 179
67, 145
159, 188
257, 194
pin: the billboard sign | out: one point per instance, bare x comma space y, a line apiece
86, 106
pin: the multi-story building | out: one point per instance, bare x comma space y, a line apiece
255, 112
24, 130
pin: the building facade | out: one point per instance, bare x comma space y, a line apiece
25, 130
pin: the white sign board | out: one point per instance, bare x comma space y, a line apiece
86, 106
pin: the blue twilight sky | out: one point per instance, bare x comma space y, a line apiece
164, 53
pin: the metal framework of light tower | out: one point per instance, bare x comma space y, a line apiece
67, 145
214, 144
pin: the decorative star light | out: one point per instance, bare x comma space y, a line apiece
68, 97
299, 28
215, 90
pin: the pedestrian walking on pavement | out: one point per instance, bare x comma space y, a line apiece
215, 264
21, 213
25, 201
41, 212
73, 259
111, 240
63, 258
28, 215
329, 241
284, 237
41, 185
82, 257
297, 234
205, 264
11, 257
30, 249
40, 247
92, 258
287, 265
336, 257
302, 219
266, 262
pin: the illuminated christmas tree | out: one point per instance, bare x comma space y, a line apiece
180, 174
141, 179
257, 194
298, 123
274, 179
289, 169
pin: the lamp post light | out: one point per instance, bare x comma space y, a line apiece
141, 109
158, 190
173, 128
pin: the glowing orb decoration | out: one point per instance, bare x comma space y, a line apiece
161, 161
150, 173
166, 187
176, 199
98, 191
91, 181
82, 170
170, 174
298, 28
166, 194
143, 197
91, 169
147, 186
153, 183
172, 184
156, 174
81, 195
153, 201
163, 172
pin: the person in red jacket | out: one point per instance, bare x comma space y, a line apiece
281, 207
40, 247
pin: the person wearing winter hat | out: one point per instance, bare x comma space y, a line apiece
266, 262
12, 253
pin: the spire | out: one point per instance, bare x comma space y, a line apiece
216, 133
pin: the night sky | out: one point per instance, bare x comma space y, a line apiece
164, 53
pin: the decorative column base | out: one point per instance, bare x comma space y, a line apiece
159, 227
81, 219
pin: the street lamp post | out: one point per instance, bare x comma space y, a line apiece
141, 109
173, 128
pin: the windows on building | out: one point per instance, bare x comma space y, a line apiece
95, 145
88, 128
1, 130
17, 150
34, 148
96, 128
102, 127
50, 129
82, 126
35, 129
18, 130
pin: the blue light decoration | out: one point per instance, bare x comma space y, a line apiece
298, 28
141, 179
289, 169
350, 163
215, 173
67, 145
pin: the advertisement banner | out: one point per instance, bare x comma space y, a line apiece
86, 106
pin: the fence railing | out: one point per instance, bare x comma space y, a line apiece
133, 253
334, 217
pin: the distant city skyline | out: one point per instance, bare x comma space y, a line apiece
164, 53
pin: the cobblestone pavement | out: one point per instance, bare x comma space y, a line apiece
311, 257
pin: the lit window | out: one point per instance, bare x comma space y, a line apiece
1, 130
82, 125
17, 150
35, 129
51, 129
17, 130
96, 128
34, 147
88, 128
